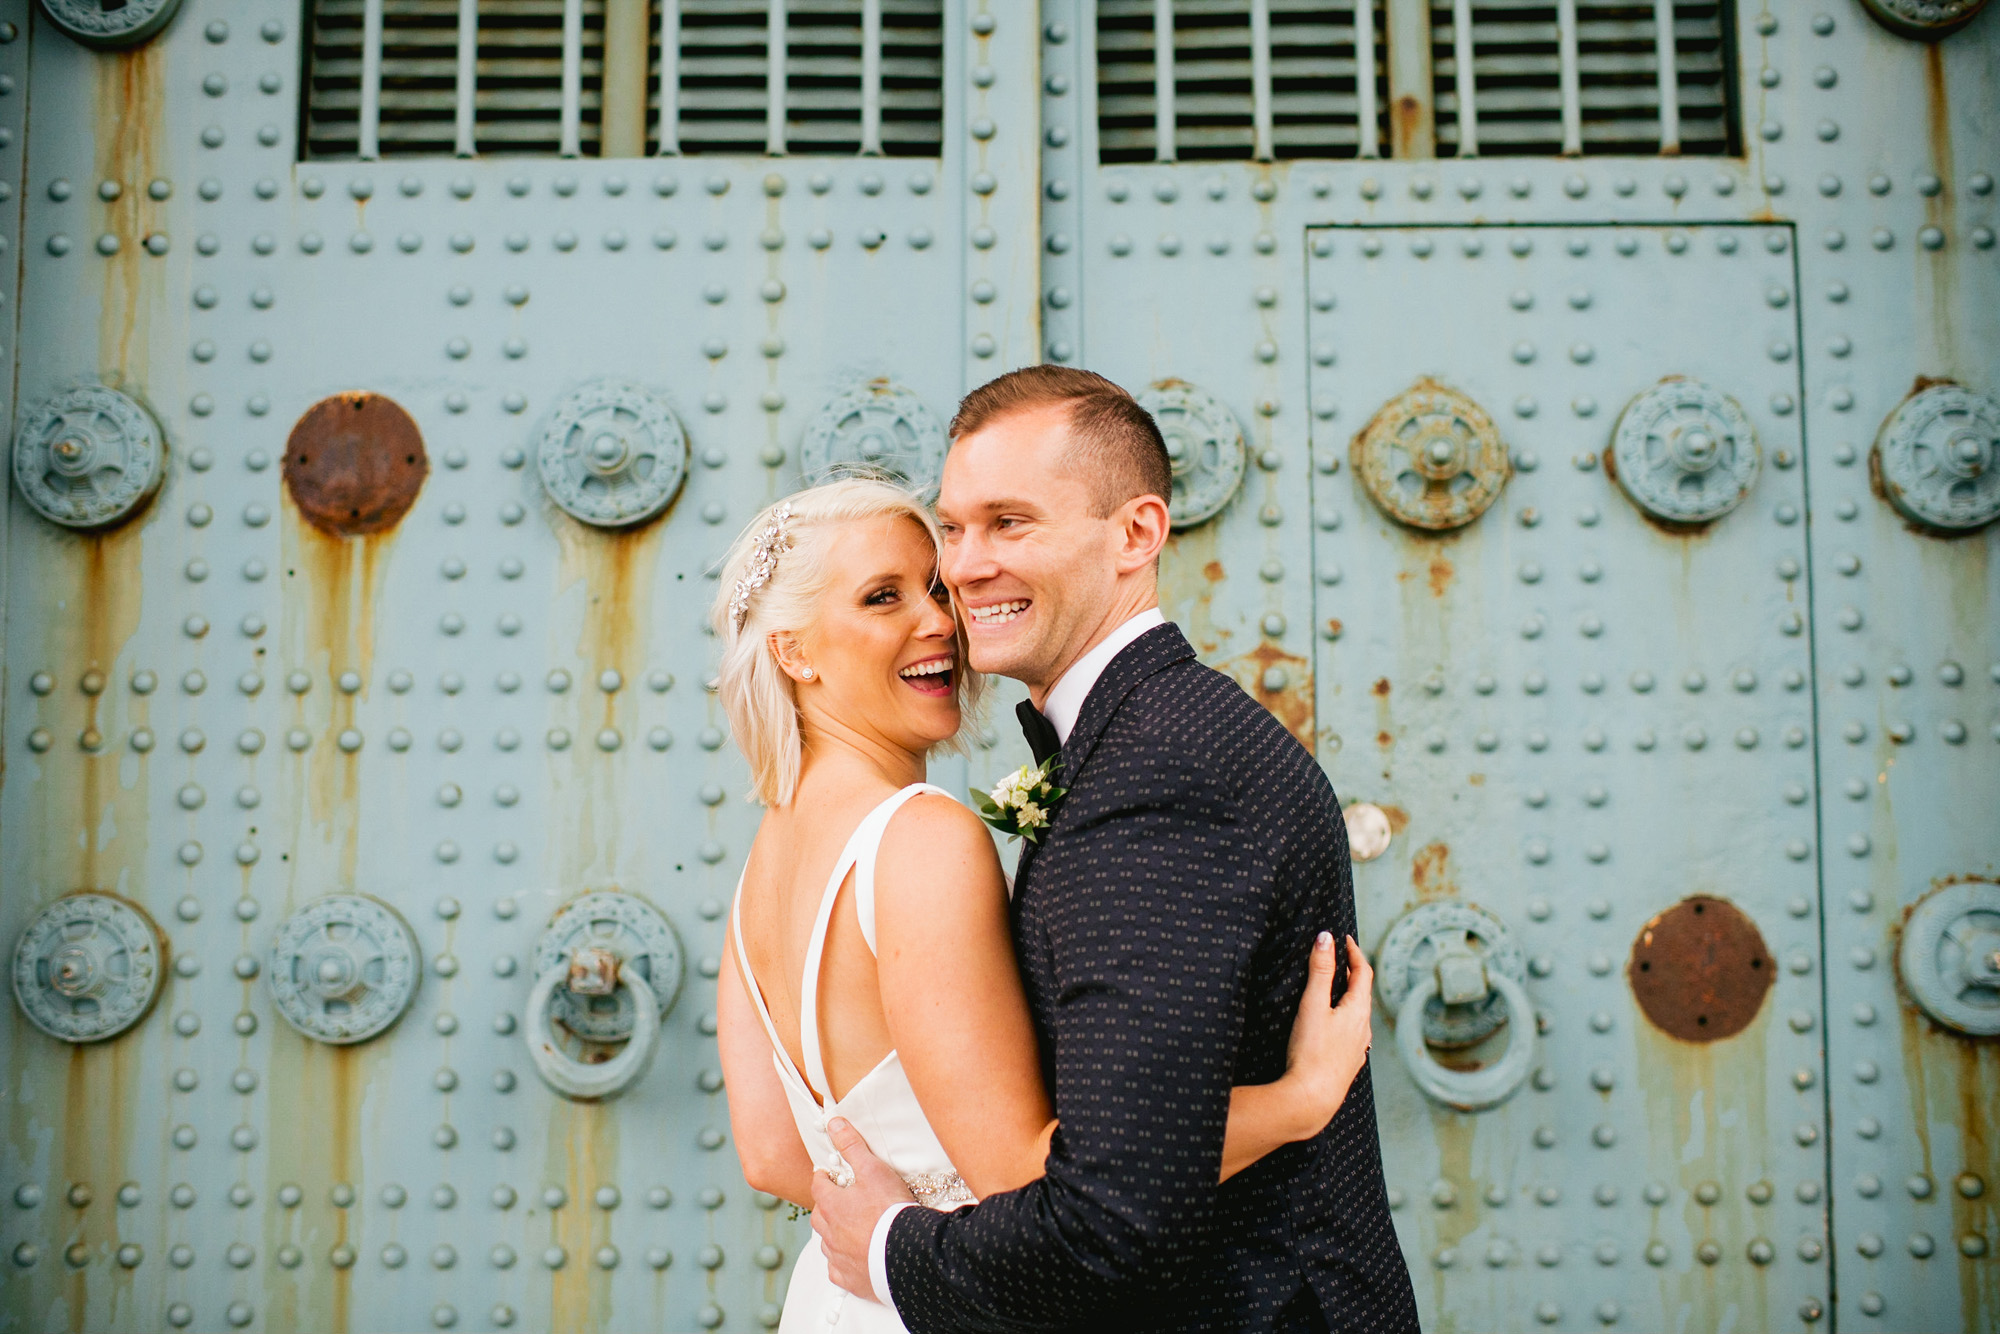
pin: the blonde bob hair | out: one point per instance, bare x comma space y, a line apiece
757, 695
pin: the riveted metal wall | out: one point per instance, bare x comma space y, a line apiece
1543, 498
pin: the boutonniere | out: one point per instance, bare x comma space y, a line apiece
1022, 803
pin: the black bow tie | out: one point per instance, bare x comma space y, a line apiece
1041, 733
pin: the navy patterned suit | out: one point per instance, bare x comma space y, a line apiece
1163, 925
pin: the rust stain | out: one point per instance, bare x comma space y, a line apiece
130, 96
1190, 571
1700, 970
1381, 687
1939, 212
1384, 740
1440, 572
334, 585
1334, 627
99, 1092
1399, 819
1291, 703
354, 464
315, 1139
1430, 872
582, 1153
608, 574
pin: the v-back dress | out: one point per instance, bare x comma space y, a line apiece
881, 1105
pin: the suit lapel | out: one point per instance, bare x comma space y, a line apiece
1158, 648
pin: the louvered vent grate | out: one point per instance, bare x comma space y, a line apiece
718, 101
1517, 71
1315, 100
1280, 79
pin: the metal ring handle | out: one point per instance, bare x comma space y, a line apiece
1468, 1090
573, 1078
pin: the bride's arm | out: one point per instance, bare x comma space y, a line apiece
1329, 1045
767, 1140
951, 994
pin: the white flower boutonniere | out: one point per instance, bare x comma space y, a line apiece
1022, 803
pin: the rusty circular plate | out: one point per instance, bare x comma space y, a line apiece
1700, 970
355, 463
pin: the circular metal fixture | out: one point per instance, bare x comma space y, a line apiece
1446, 934
354, 464
1204, 446
88, 967
1925, 20
613, 454
1938, 458
1368, 830
1467, 1090
1700, 970
89, 457
1950, 956
879, 425
635, 932
344, 968
1685, 452
607, 970
107, 26
1431, 458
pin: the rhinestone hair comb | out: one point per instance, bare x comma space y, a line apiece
776, 538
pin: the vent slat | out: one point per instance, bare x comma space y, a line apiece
721, 95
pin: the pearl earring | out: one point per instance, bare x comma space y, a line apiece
806, 672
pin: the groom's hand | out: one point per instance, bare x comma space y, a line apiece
845, 1216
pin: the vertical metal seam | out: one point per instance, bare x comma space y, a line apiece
1370, 142
1260, 80
1461, 59
1818, 788
1572, 94
871, 78
774, 80
670, 77
370, 145
1164, 129
572, 78
1667, 58
466, 85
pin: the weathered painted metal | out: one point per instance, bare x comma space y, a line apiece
1458, 941
1700, 970
1938, 455
613, 454
879, 426
1204, 447
344, 967
110, 26
1431, 458
1568, 712
1685, 452
89, 457
89, 967
1950, 956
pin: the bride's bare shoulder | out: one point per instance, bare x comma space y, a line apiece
933, 833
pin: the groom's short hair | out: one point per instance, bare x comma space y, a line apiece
1115, 443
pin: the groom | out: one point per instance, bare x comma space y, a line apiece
1163, 924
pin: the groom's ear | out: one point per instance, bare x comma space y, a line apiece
1144, 526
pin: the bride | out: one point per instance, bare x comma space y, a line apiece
870, 973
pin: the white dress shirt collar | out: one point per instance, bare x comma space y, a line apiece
1065, 699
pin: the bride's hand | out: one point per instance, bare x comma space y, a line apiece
1329, 1042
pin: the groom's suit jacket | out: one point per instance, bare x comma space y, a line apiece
1163, 925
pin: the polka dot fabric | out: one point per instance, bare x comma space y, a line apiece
1164, 924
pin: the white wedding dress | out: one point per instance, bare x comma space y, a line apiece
881, 1105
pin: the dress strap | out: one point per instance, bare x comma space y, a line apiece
858, 856
864, 866
756, 991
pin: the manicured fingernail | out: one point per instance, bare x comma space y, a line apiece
1325, 941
